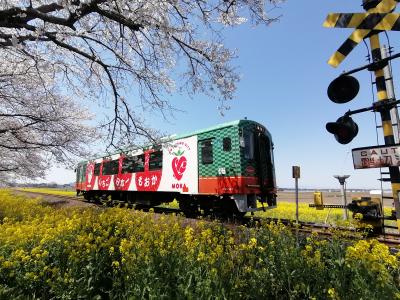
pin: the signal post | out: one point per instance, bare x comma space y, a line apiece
379, 17
386, 121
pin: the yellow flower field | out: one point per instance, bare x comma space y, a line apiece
51, 191
284, 209
98, 253
287, 210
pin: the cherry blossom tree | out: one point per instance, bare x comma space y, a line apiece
38, 124
128, 56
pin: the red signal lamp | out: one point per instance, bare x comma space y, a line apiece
344, 129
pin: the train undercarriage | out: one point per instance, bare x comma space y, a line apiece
219, 206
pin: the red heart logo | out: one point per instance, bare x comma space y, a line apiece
179, 166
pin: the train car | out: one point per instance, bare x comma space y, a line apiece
224, 169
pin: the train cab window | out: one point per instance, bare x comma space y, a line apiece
133, 164
248, 145
83, 173
227, 144
78, 174
110, 167
97, 169
155, 162
207, 152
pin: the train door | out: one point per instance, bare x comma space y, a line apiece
81, 176
264, 161
78, 175
259, 159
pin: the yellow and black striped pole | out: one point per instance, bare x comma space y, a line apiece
386, 121
377, 17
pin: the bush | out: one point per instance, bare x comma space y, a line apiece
118, 253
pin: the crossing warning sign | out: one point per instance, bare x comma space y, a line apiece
377, 18
376, 157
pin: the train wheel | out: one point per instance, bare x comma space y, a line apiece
188, 206
86, 197
227, 209
130, 199
96, 199
143, 207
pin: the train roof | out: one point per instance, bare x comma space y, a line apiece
193, 133
219, 126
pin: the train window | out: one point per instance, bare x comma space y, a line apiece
78, 174
97, 169
207, 152
133, 164
110, 167
248, 145
155, 162
83, 173
227, 144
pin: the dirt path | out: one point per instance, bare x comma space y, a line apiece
56, 200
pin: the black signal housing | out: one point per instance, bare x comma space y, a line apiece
344, 129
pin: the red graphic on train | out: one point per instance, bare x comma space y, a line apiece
149, 180
122, 181
104, 182
90, 179
179, 164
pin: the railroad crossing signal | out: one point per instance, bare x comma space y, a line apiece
379, 17
343, 89
344, 129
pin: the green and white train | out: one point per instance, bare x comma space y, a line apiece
224, 169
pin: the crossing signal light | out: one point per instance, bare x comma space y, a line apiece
343, 89
344, 129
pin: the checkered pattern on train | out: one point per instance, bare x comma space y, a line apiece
233, 161
230, 160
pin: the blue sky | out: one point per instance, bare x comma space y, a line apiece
285, 76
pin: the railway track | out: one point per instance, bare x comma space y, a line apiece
390, 239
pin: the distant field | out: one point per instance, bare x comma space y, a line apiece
329, 197
286, 208
285, 196
65, 192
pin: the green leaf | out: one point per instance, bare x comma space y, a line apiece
178, 153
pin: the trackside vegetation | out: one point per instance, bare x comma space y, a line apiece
114, 253
61, 192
